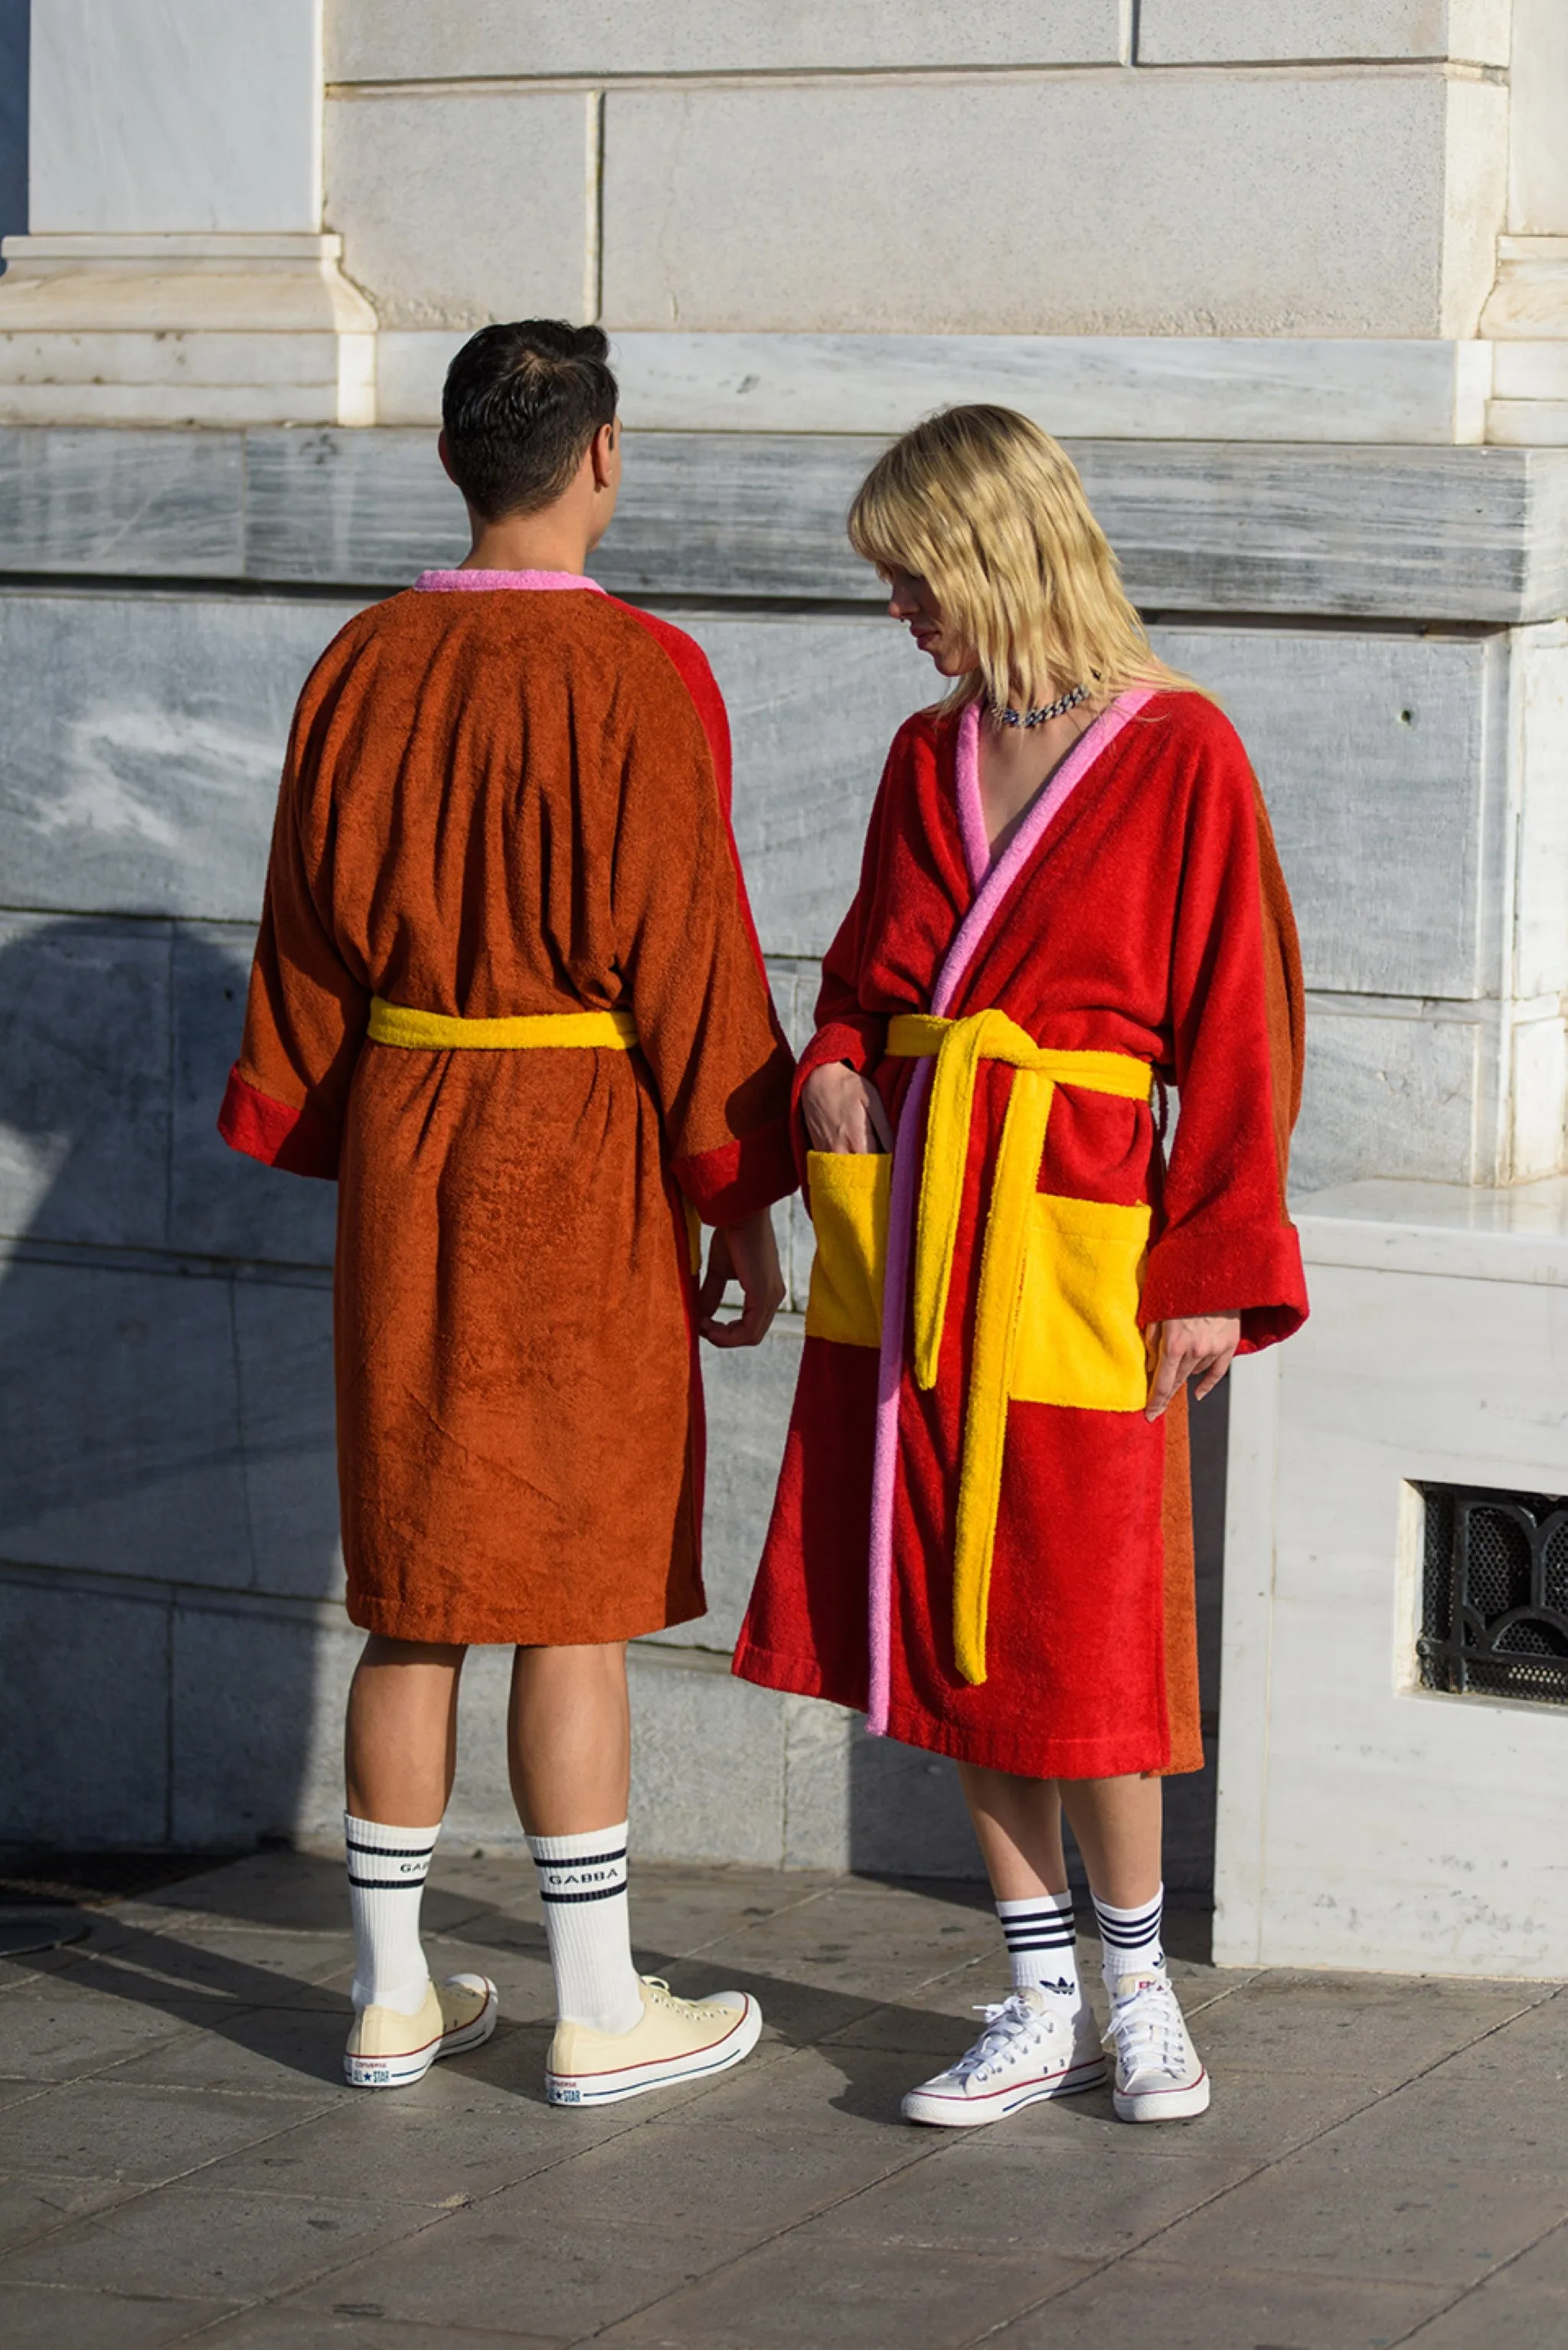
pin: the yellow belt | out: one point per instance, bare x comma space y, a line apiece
523, 1031
440, 1032
958, 1046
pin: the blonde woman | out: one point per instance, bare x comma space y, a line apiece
1069, 901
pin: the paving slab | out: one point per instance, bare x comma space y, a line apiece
200, 2241
43, 2317
1386, 2160
1146, 2300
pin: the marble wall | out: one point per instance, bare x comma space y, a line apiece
164, 1306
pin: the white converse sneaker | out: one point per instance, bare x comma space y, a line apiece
1034, 2044
1160, 2073
388, 2050
678, 2040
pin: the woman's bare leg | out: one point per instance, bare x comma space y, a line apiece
569, 1739
1117, 1824
1018, 1823
401, 1744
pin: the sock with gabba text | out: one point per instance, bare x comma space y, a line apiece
582, 1883
387, 1872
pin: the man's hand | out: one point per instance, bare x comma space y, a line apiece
1200, 1349
843, 1111
746, 1252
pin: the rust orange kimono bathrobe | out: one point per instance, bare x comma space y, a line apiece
979, 1536
508, 793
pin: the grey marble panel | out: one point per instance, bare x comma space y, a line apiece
84, 1079
338, 505
220, 1203
283, 1348
1433, 534
1386, 1095
814, 704
256, 1705
1477, 534
119, 1400
84, 1737
1381, 759
708, 1766
146, 733
121, 503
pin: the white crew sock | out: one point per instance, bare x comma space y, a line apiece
1042, 1942
1130, 1939
387, 1872
582, 1882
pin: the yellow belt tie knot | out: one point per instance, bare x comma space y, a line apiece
959, 1047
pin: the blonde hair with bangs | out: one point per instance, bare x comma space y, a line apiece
990, 512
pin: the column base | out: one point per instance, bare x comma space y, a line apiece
182, 329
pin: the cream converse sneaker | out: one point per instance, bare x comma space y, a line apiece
387, 2051
1034, 2044
678, 2040
1160, 2073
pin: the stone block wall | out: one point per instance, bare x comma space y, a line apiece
167, 1498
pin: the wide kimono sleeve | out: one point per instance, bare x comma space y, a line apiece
1226, 1244
688, 947
306, 1012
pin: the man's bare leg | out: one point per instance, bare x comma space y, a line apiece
400, 1752
401, 1743
569, 1741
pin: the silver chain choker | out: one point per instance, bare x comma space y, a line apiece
1057, 709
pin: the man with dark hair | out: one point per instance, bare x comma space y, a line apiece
508, 993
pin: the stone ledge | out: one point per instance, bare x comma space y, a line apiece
1474, 534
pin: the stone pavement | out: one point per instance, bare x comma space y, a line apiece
1386, 2161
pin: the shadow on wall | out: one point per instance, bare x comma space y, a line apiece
906, 1813
168, 1508
15, 16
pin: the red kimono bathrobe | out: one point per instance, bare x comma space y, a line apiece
978, 1537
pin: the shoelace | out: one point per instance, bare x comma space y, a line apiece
1008, 2024
1147, 2031
668, 1998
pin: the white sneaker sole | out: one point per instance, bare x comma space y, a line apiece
994, 2105
402, 2071
636, 2079
1163, 2105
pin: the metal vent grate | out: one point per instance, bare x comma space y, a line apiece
1494, 1596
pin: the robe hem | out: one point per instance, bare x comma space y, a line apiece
521, 1629
795, 1676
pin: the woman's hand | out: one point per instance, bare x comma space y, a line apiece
1200, 1349
843, 1111
748, 1253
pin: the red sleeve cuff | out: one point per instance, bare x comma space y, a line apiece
1257, 1274
740, 1177
301, 1141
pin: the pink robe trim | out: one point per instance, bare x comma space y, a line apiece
992, 882
442, 583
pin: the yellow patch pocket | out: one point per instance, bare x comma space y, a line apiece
851, 1190
1078, 1337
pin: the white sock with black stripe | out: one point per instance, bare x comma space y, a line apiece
1130, 1939
387, 1872
582, 1883
1041, 1941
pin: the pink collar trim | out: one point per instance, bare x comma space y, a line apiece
444, 583
1095, 738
